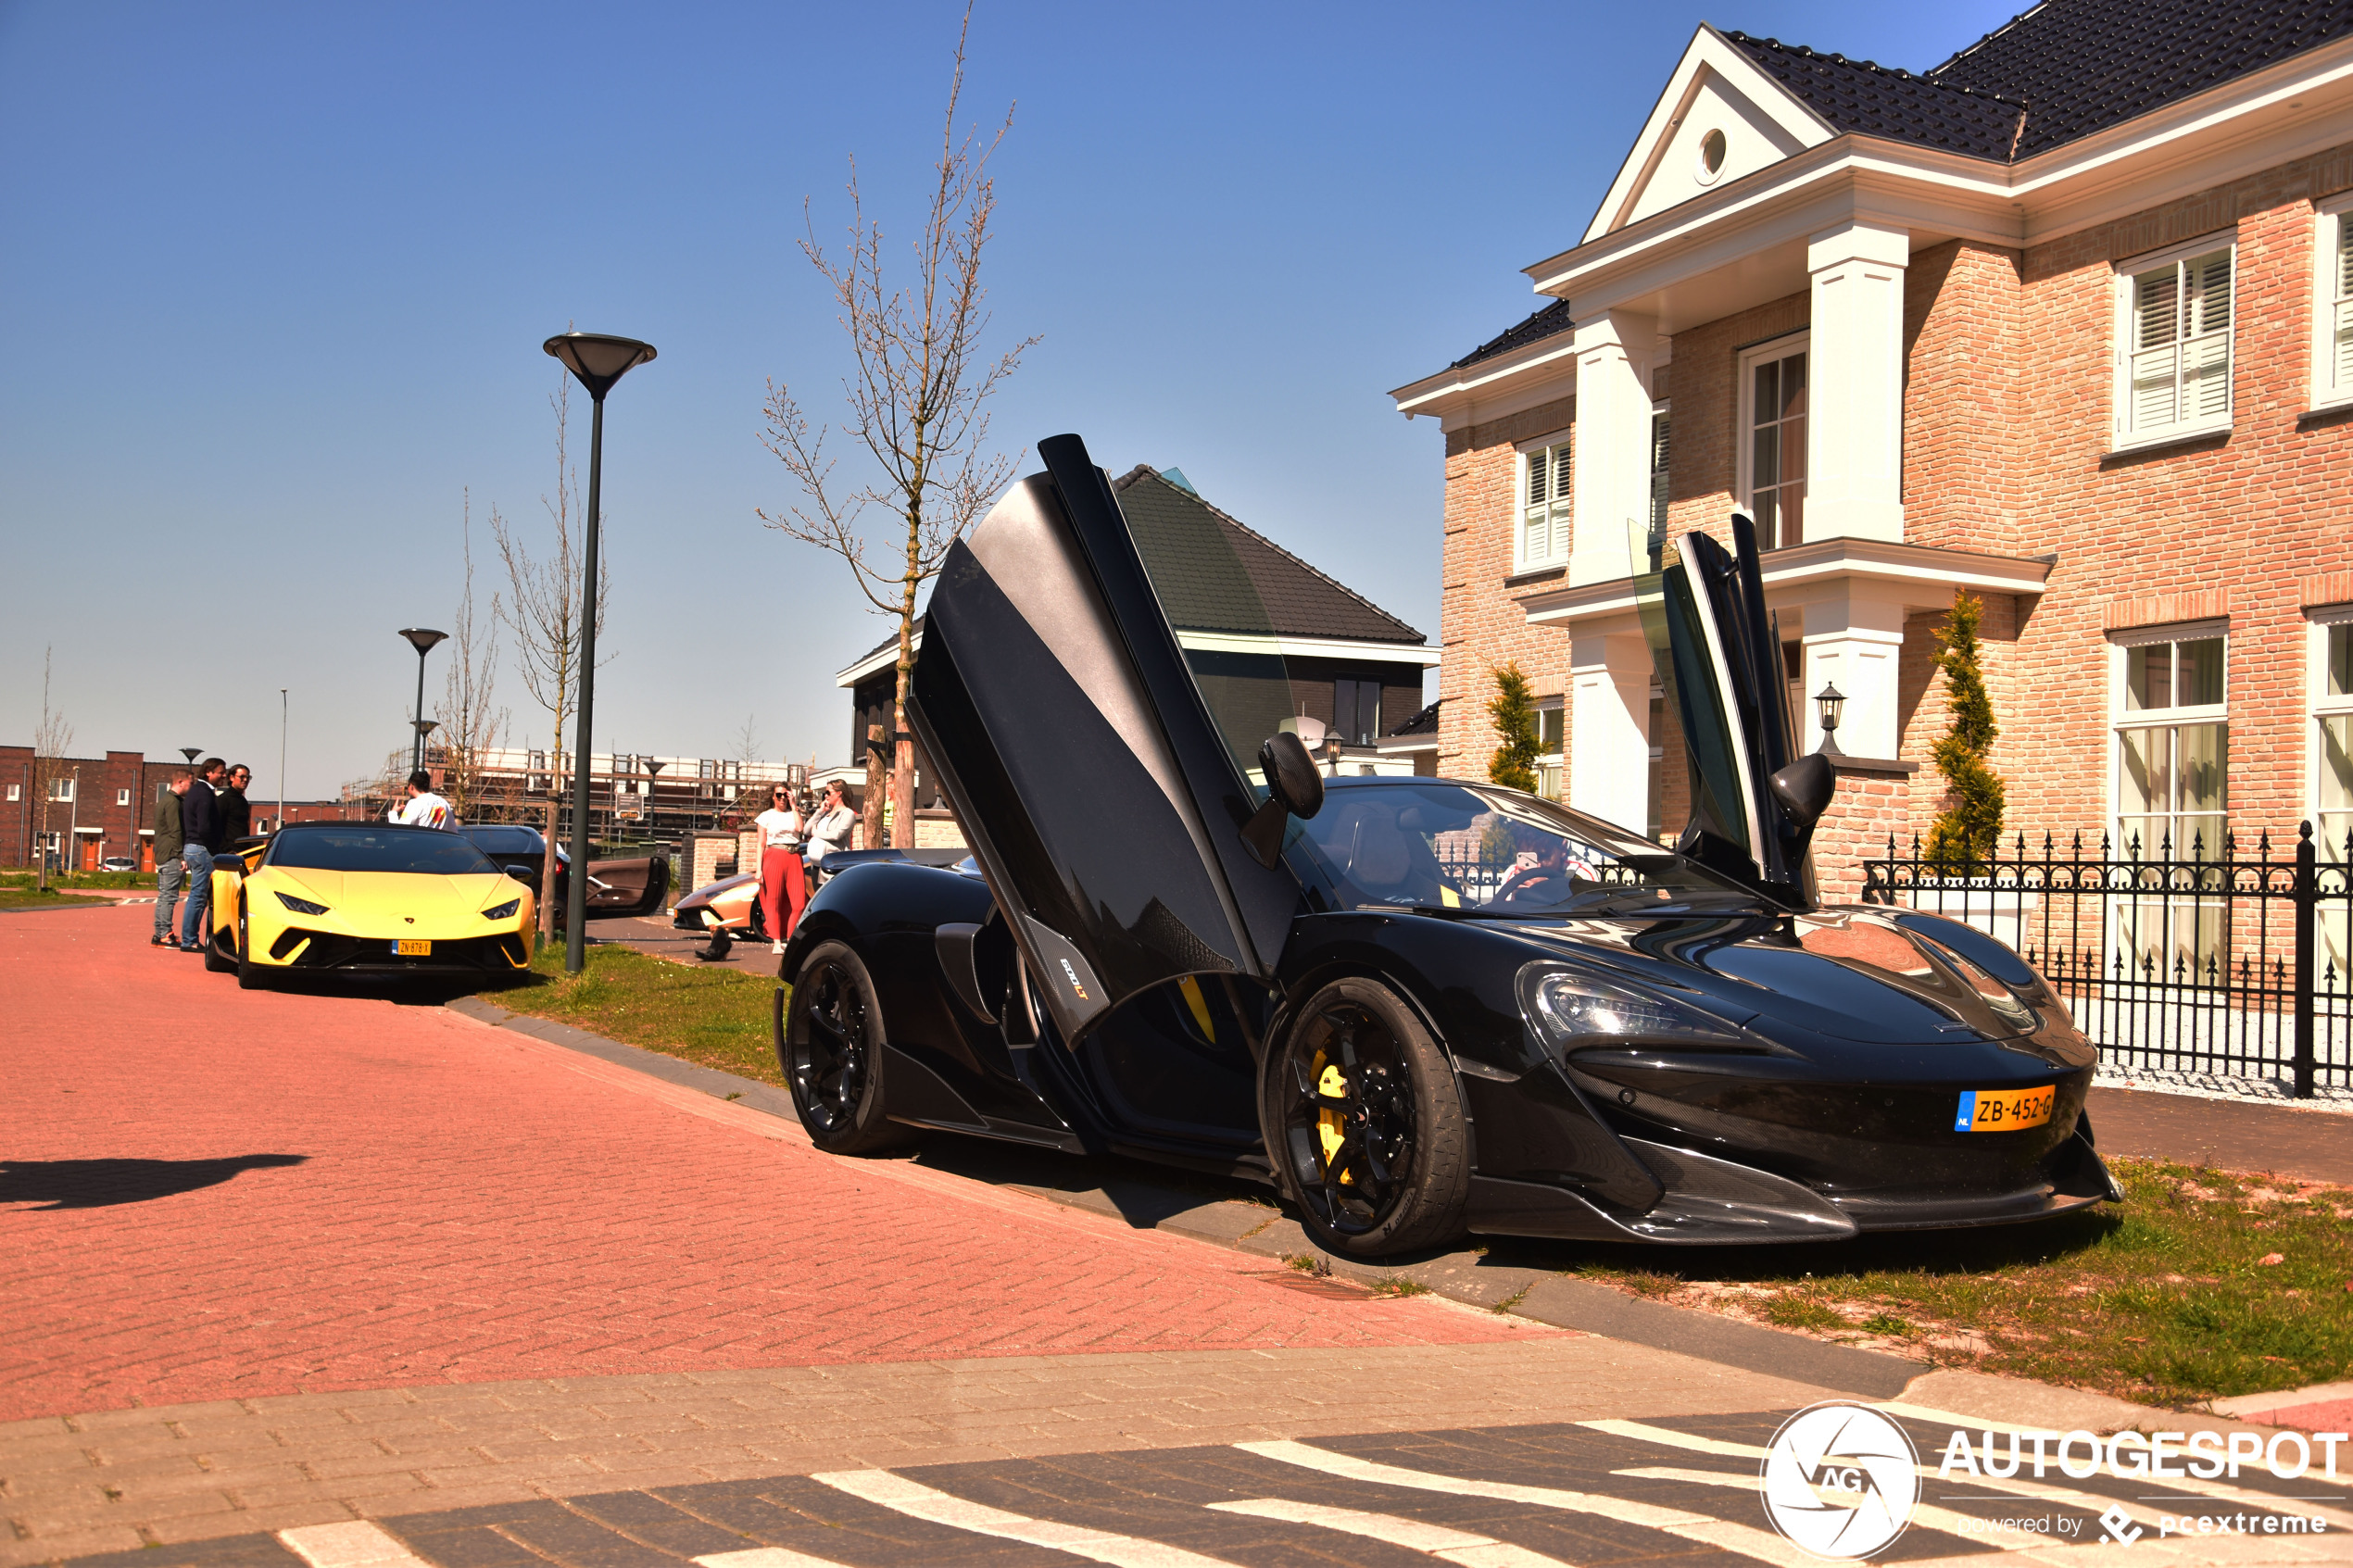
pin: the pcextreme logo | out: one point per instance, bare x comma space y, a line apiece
1841, 1480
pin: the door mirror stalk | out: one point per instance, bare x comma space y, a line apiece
1293, 789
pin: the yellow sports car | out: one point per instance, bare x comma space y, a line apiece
365, 898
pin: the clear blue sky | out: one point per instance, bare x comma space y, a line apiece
273, 281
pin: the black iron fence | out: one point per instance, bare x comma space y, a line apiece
2234, 964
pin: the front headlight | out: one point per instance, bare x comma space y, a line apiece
301, 905
504, 912
1570, 1009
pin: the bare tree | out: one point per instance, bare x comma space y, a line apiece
747, 742
917, 399
49, 744
542, 608
471, 724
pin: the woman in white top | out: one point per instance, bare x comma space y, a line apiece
830, 828
781, 880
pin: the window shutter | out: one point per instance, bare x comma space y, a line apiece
2342, 348
2205, 348
2156, 325
1563, 481
1540, 468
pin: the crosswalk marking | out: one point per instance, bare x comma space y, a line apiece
1451, 1546
1925, 1515
764, 1557
2041, 1491
1745, 1539
356, 1543
919, 1501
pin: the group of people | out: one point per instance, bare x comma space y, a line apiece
795, 838
202, 813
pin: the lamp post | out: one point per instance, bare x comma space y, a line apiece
282, 757
424, 641
191, 753
598, 362
1833, 702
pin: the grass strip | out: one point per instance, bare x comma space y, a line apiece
711, 1017
2203, 1284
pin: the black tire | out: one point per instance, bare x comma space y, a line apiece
219, 956
829, 1041
249, 977
1363, 1125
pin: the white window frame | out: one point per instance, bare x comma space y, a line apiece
2176, 929
1556, 503
2128, 434
61, 789
123, 797
2319, 705
16, 792
1744, 433
1551, 771
2331, 298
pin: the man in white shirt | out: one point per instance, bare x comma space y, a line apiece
424, 809
781, 881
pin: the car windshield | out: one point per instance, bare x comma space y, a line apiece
505, 840
1428, 844
358, 847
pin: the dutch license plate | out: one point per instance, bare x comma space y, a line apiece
418, 948
2003, 1111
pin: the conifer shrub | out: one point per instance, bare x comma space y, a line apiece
1967, 833
1514, 712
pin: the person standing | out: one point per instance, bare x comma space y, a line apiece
171, 873
781, 878
424, 809
200, 826
830, 828
236, 813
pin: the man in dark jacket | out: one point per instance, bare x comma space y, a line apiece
200, 820
170, 874
236, 815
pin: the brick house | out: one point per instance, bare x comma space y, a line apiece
2065, 322
1354, 668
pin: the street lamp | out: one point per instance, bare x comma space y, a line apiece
598, 362
1833, 702
424, 641
282, 757
191, 753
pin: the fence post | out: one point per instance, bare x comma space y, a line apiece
2308, 888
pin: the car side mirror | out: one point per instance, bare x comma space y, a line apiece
521, 873
1293, 789
1804, 789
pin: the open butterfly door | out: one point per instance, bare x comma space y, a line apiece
1755, 797
1100, 796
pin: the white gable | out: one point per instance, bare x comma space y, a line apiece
1715, 91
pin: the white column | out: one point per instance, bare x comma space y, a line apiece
1853, 641
1855, 424
1613, 485
1609, 740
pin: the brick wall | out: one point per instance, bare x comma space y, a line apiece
1482, 625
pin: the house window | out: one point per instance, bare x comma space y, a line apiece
2176, 370
2172, 754
2333, 308
1356, 711
2333, 737
123, 797
61, 789
1661, 430
16, 792
1549, 733
1545, 483
1773, 404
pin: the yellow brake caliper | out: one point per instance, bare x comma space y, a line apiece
1331, 1083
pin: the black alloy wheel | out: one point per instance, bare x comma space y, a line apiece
220, 948
250, 978
1364, 1125
830, 1043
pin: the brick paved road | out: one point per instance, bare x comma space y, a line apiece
1681, 1490
212, 1193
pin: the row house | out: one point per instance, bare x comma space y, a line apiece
2065, 323
100, 807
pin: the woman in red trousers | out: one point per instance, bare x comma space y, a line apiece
781, 878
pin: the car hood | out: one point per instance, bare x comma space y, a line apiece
401, 893
1851, 973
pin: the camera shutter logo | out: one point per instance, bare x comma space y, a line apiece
1840, 1480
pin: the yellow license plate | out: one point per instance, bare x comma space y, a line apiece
418, 948
2003, 1111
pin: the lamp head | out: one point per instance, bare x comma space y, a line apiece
421, 638
597, 359
191, 753
1833, 702
425, 726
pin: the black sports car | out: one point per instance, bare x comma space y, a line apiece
1416, 1006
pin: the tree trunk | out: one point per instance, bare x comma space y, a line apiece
547, 874
878, 783
902, 768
